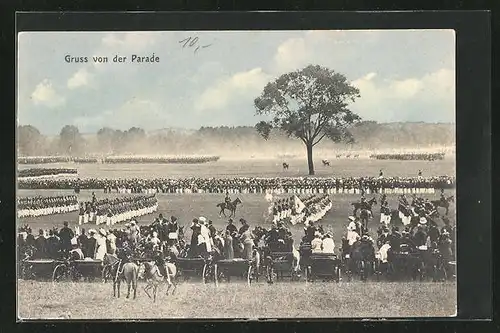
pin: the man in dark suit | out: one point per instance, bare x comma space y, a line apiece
83, 242
41, 246
91, 245
66, 234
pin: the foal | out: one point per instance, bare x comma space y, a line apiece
154, 278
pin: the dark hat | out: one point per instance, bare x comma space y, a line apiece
65, 223
230, 221
173, 218
242, 220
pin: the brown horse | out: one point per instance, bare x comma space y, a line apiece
229, 206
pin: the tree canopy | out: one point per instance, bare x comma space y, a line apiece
309, 104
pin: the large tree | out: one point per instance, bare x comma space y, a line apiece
30, 140
70, 140
310, 104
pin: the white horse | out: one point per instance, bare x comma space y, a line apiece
154, 278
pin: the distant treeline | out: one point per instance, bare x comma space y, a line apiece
369, 135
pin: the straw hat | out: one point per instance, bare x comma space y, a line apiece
352, 218
102, 232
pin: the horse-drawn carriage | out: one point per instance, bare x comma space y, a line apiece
75, 270
224, 269
196, 267
37, 269
280, 265
323, 266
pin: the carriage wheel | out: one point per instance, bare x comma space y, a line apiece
306, 273
337, 273
250, 274
60, 272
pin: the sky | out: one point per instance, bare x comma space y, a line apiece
402, 75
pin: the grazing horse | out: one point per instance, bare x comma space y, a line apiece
229, 206
326, 162
339, 155
285, 166
348, 156
154, 278
129, 273
444, 203
356, 156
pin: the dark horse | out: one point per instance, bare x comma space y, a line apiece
445, 203
231, 207
325, 163
365, 213
285, 166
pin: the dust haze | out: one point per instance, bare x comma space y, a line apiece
239, 142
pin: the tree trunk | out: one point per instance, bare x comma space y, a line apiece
310, 161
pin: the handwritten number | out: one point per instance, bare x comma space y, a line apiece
193, 41
190, 42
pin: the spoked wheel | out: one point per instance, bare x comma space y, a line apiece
337, 273
250, 274
209, 272
60, 273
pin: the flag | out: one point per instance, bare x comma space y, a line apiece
299, 205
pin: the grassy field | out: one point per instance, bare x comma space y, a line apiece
42, 300
237, 300
261, 168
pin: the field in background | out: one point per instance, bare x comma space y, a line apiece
43, 300
262, 168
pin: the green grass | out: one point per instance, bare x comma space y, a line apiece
82, 300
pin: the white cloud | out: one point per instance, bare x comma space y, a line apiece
241, 85
45, 94
393, 96
81, 78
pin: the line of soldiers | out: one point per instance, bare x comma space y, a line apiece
409, 157
337, 185
39, 172
41, 206
110, 211
160, 159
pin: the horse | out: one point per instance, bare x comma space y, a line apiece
365, 214
339, 155
326, 162
361, 256
356, 156
154, 278
444, 203
357, 205
348, 156
129, 273
229, 206
285, 166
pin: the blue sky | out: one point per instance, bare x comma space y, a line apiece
405, 75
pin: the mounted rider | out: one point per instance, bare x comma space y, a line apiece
227, 200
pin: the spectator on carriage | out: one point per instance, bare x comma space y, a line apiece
101, 248
92, 244
395, 238
75, 253
246, 238
30, 239
420, 237
111, 243
328, 244
53, 246
194, 249
83, 241
310, 231
154, 240
41, 245
244, 226
66, 235
231, 227
205, 232
317, 243
211, 228
228, 245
